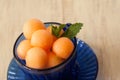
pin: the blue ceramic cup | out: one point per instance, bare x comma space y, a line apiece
62, 71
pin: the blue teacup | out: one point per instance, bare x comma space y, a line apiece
62, 71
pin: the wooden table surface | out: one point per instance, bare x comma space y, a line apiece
101, 30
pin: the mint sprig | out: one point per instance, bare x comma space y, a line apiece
71, 31
56, 29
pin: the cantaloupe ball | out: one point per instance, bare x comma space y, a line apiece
53, 60
61, 32
42, 38
36, 58
22, 48
31, 26
63, 47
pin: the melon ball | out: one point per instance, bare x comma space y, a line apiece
36, 58
53, 60
22, 48
31, 26
42, 38
63, 47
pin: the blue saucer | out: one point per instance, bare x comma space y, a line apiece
86, 67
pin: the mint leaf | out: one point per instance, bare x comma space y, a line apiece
72, 30
56, 29
61, 26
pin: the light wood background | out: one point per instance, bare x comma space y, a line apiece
101, 30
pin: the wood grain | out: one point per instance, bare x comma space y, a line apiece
101, 30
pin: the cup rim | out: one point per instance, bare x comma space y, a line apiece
46, 69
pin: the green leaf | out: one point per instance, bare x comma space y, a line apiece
61, 26
72, 30
56, 29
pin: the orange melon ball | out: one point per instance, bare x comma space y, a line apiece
63, 47
31, 26
36, 58
42, 38
53, 60
49, 29
22, 48
61, 32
